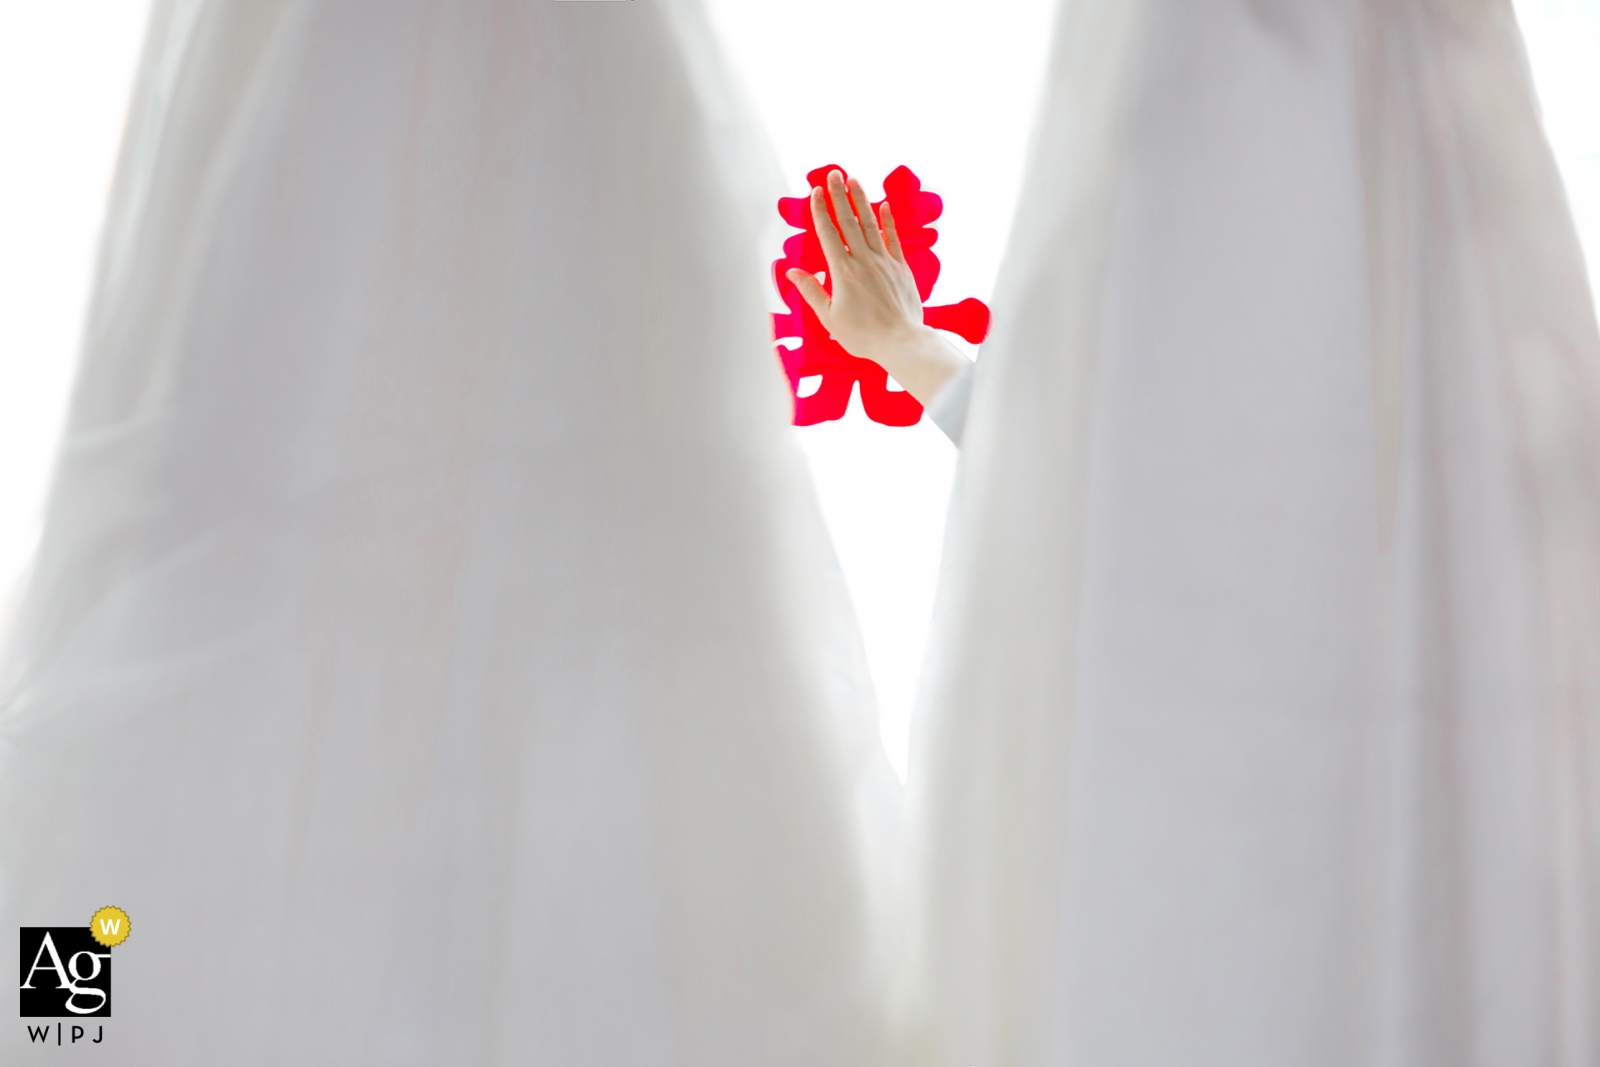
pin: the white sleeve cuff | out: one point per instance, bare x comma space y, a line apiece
948, 408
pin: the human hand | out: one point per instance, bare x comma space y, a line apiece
875, 311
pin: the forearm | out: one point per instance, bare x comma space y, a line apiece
920, 359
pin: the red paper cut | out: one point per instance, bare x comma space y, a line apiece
817, 353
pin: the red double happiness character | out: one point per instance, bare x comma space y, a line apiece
812, 352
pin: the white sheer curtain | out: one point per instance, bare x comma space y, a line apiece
434, 645
1266, 706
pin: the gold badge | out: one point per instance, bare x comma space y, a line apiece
109, 926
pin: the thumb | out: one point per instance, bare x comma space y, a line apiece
813, 292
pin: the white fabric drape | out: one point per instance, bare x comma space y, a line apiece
1265, 716
434, 645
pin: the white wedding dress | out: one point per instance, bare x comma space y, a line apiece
1264, 723
434, 645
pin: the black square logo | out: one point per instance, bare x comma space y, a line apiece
65, 973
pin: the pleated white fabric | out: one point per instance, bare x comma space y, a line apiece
435, 646
1264, 724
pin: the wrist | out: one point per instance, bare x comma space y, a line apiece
920, 359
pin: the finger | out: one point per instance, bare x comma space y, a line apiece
812, 292
849, 228
890, 235
863, 213
832, 245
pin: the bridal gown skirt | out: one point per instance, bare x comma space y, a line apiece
1265, 722
434, 645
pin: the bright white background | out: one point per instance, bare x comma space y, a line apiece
65, 71
945, 86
